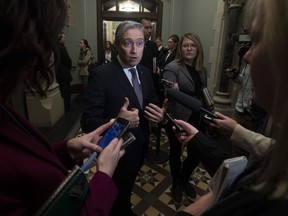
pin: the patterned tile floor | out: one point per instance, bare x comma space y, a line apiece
152, 190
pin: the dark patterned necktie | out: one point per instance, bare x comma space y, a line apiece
136, 86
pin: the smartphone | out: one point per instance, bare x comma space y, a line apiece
208, 117
167, 83
172, 121
116, 130
128, 138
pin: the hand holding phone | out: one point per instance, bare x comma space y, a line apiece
116, 130
209, 116
173, 123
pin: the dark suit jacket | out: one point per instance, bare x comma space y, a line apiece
161, 56
107, 88
31, 169
170, 58
64, 65
150, 51
166, 60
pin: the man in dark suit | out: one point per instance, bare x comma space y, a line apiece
162, 50
63, 71
150, 53
110, 86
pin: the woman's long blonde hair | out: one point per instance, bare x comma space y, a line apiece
275, 36
199, 59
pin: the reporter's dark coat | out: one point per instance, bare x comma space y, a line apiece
107, 87
31, 169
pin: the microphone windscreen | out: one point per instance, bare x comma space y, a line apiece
184, 99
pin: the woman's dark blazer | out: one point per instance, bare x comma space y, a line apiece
177, 72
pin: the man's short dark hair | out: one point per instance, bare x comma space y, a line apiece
144, 18
123, 27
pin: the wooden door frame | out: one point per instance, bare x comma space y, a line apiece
122, 16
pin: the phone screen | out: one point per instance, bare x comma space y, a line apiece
116, 130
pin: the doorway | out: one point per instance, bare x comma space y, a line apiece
111, 12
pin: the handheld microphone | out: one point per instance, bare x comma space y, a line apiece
190, 103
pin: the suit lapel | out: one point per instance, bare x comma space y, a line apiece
126, 85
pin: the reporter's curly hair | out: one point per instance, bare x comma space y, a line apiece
28, 35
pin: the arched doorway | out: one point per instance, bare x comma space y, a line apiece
111, 12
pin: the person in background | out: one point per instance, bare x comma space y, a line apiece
150, 53
31, 167
189, 76
241, 113
162, 50
124, 81
84, 59
110, 54
167, 57
63, 71
172, 45
262, 188
162, 53
246, 111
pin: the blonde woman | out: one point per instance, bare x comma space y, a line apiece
189, 76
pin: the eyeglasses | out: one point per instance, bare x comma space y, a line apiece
128, 43
188, 46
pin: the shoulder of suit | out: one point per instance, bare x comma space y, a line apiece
172, 64
141, 68
106, 68
151, 44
